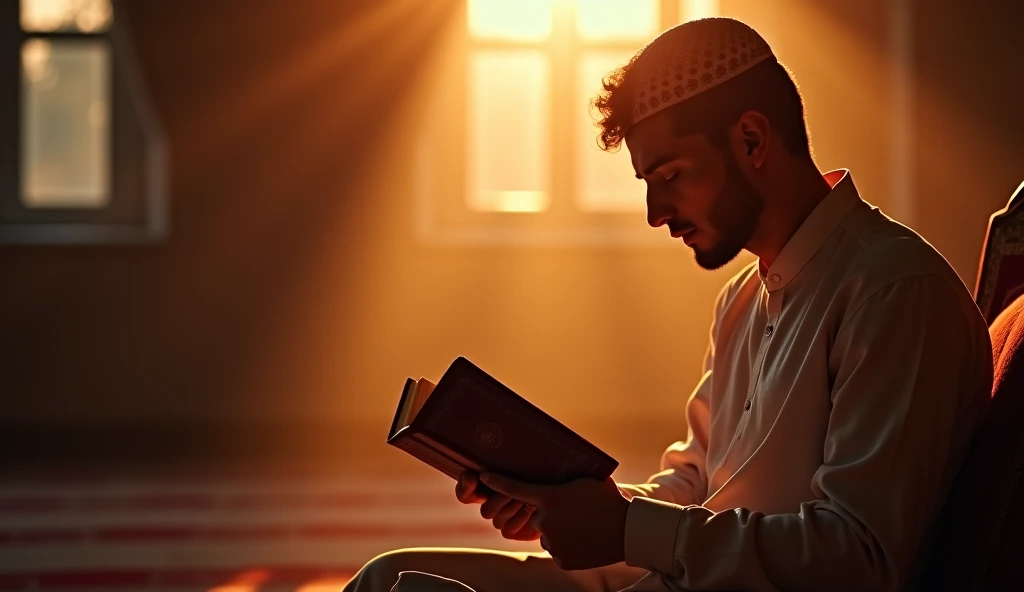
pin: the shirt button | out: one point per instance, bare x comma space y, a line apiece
776, 277
768, 331
746, 405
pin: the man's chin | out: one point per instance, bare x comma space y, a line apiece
712, 259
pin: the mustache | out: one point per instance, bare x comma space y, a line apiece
679, 226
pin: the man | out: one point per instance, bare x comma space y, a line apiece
846, 372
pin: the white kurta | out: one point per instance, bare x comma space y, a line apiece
840, 390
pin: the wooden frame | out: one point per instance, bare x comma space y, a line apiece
1001, 268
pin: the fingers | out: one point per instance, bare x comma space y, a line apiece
531, 494
509, 510
466, 489
516, 522
534, 521
494, 504
525, 534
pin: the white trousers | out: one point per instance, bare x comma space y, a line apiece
481, 570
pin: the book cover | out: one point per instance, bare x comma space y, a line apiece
471, 421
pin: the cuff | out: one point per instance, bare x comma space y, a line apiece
630, 490
651, 527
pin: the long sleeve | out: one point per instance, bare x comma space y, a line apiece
910, 373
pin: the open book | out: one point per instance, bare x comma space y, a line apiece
470, 421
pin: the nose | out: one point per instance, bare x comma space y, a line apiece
657, 214
656, 220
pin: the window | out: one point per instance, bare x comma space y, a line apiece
83, 159
509, 116
513, 98
65, 124
609, 33
521, 165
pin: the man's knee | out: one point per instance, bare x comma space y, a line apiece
390, 563
380, 573
415, 581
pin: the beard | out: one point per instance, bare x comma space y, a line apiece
733, 217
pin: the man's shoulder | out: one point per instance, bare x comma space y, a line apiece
881, 252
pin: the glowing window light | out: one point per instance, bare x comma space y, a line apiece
510, 201
606, 20
66, 123
85, 16
508, 143
690, 10
515, 20
606, 182
509, 148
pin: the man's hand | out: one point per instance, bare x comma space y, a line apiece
509, 516
582, 523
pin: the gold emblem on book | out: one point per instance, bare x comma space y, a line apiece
488, 435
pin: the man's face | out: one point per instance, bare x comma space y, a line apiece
696, 189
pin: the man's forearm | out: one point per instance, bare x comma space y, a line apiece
821, 548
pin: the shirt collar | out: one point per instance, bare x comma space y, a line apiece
814, 231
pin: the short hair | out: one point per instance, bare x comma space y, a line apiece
767, 88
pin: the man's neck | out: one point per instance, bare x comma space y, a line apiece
794, 197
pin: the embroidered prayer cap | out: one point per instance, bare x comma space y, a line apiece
692, 57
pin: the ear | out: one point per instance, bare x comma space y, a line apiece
753, 132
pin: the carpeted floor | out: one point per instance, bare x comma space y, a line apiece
239, 534
230, 526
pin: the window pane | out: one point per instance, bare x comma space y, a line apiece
86, 16
690, 10
508, 128
600, 20
606, 182
65, 123
517, 20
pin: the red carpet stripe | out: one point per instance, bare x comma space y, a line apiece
197, 535
179, 502
145, 534
176, 578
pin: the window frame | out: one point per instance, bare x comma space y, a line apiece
137, 216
